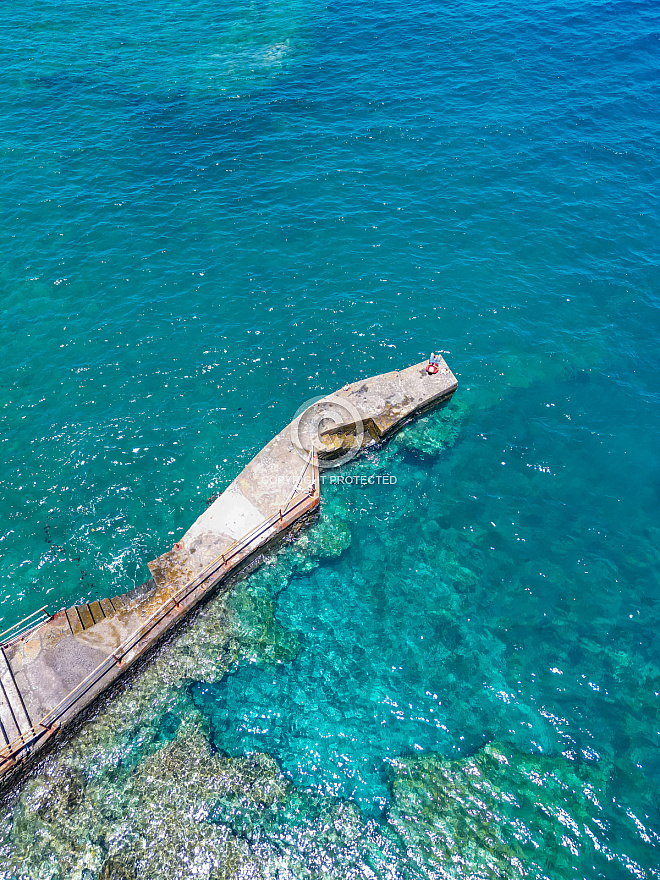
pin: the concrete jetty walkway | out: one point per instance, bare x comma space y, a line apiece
54, 666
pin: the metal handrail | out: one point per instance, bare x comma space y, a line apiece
23, 626
302, 474
48, 723
229, 552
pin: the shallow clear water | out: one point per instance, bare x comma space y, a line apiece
213, 212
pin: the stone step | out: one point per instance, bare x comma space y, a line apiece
82, 617
13, 718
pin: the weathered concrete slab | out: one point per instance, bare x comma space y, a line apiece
359, 415
49, 665
51, 673
259, 492
14, 719
390, 399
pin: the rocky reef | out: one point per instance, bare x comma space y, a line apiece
539, 765
185, 811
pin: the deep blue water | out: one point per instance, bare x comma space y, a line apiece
213, 212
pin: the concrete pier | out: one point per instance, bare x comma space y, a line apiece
54, 669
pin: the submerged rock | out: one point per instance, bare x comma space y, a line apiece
117, 869
57, 793
327, 539
437, 432
500, 813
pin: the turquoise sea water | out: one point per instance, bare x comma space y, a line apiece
213, 212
